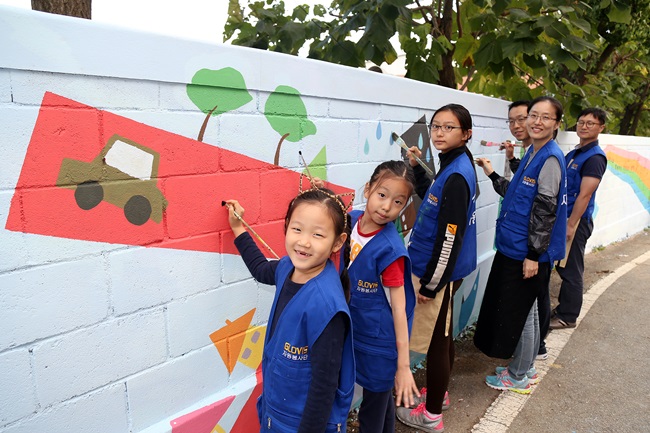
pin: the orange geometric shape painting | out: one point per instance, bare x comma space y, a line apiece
230, 339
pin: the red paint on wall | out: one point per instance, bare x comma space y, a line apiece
194, 178
202, 420
248, 419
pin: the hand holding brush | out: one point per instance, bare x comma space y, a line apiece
237, 223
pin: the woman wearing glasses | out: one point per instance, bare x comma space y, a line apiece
530, 235
442, 249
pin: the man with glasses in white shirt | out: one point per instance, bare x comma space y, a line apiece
586, 165
517, 115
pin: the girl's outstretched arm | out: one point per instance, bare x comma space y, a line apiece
405, 386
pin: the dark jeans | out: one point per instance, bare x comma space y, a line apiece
570, 298
377, 412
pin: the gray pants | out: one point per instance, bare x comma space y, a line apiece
526, 350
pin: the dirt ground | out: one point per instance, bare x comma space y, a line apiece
469, 395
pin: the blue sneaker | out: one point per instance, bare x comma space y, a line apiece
533, 377
503, 381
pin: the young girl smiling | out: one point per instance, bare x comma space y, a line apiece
308, 361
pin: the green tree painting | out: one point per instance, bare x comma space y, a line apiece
217, 91
287, 115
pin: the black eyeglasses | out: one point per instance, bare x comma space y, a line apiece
444, 128
589, 123
544, 118
519, 120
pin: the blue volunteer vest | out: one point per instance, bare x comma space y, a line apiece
512, 224
574, 178
423, 235
375, 347
286, 361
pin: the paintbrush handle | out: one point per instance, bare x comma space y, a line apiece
255, 233
422, 164
494, 144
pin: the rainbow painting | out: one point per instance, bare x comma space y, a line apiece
633, 169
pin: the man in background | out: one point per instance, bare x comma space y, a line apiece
586, 165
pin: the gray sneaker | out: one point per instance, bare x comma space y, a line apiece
418, 418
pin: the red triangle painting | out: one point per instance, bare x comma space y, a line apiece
93, 175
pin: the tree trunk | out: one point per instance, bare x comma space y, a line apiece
447, 74
73, 8
632, 113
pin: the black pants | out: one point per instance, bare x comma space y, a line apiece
441, 353
377, 412
570, 298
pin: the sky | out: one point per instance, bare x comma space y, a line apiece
192, 19
201, 20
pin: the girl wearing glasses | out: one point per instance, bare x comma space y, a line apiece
530, 235
442, 249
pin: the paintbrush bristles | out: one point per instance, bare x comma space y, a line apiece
397, 139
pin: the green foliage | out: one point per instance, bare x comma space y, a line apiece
585, 53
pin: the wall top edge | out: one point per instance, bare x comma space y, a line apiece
570, 138
37, 41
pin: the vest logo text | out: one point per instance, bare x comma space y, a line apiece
295, 353
529, 181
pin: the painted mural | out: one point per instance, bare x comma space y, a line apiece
119, 192
111, 181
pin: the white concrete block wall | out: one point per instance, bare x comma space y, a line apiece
192, 319
48, 300
105, 337
139, 281
162, 391
18, 399
99, 411
87, 359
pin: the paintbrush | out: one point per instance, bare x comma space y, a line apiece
223, 203
311, 178
501, 145
397, 139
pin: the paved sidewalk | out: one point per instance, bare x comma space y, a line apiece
597, 377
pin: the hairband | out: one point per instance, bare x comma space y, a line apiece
338, 198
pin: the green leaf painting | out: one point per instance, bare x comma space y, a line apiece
318, 166
217, 91
287, 115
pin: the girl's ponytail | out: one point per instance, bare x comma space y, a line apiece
345, 250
